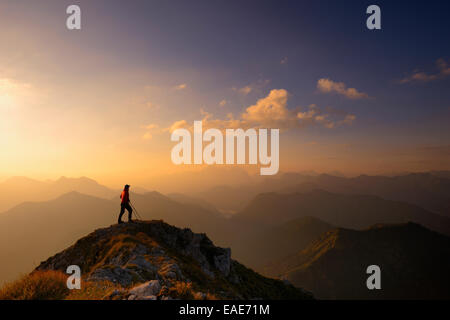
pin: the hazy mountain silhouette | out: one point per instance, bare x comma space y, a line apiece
33, 230
349, 211
194, 181
16, 190
154, 205
233, 198
228, 199
414, 264
428, 190
186, 199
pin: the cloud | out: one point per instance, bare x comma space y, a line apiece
272, 112
177, 125
253, 87
149, 129
326, 118
245, 90
349, 118
151, 126
223, 103
181, 86
444, 72
329, 86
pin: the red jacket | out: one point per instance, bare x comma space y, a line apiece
125, 197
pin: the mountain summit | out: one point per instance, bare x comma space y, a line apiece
154, 260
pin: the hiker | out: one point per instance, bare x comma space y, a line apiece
125, 204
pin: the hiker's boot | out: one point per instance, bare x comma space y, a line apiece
120, 221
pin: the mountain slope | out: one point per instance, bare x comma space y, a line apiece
257, 250
414, 264
349, 211
152, 259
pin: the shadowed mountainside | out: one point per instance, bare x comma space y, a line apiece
414, 264
257, 250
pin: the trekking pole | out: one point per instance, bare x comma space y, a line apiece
137, 213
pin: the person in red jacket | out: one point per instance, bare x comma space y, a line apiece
125, 204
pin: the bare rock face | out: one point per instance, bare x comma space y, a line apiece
149, 288
223, 262
153, 260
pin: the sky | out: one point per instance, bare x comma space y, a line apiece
102, 101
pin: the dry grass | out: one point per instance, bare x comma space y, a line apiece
51, 285
182, 290
41, 285
93, 290
185, 291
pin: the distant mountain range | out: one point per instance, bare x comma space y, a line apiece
429, 190
16, 190
414, 263
349, 211
20, 189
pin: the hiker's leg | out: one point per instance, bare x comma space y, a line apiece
130, 211
122, 211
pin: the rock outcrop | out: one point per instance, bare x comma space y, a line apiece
154, 260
